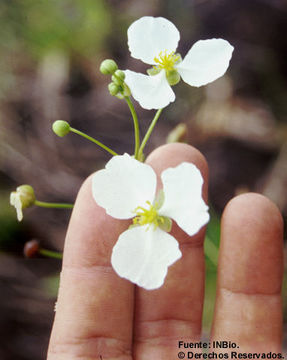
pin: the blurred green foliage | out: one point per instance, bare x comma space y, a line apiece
72, 26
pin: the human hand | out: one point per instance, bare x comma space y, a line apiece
102, 316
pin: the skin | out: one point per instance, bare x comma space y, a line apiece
102, 316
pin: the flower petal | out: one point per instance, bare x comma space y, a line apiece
148, 36
143, 255
205, 62
183, 202
15, 200
123, 185
152, 92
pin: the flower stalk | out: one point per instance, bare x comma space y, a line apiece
32, 248
78, 132
136, 126
50, 253
149, 131
53, 205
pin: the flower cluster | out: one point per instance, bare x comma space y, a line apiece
144, 252
126, 188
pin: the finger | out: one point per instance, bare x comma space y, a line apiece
95, 306
248, 305
173, 312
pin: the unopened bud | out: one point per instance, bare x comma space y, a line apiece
120, 75
108, 67
113, 88
61, 128
117, 81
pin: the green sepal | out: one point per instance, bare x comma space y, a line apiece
173, 77
141, 157
27, 195
153, 71
166, 225
126, 91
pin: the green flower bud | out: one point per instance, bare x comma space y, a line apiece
117, 81
27, 195
108, 67
114, 89
61, 128
120, 74
118, 77
173, 77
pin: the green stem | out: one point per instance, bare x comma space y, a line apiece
211, 251
136, 125
53, 205
149, 131
50, 253
93, 140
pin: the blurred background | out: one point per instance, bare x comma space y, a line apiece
50, 52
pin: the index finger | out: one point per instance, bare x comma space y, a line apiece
95, 306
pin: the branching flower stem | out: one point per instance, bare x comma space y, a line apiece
136, 126
149, 131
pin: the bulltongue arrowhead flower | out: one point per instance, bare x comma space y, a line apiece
22, 198
154, 41
126, 189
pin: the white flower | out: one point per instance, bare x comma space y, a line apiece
22, 198
154, 41
126, 189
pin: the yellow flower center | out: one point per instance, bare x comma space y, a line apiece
148, 216
166, 61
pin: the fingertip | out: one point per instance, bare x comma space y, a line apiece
175, 153
253, 208
251, 252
